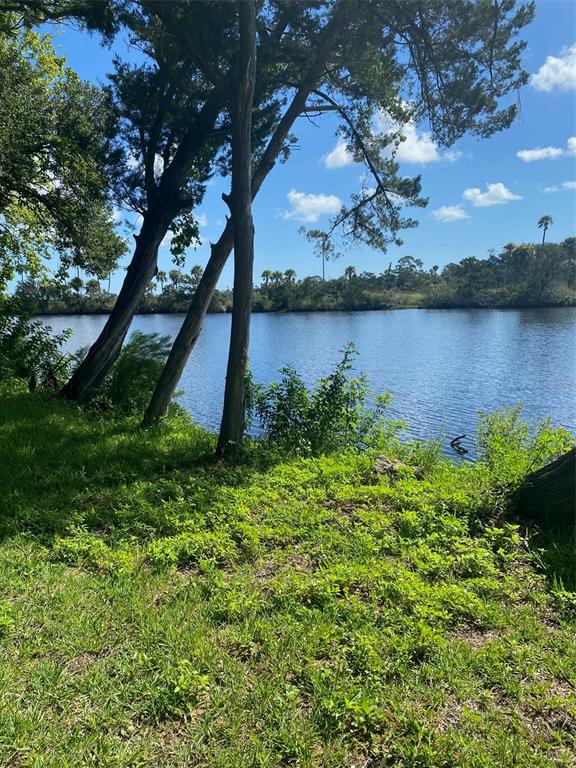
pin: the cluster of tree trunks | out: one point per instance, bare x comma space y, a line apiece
331, 58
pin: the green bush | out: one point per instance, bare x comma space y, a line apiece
133, 377
332, 416
511, 448
29, 350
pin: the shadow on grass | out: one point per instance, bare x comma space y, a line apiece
61, 466
556, 553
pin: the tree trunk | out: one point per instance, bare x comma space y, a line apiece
104, 352
165, 205
240, 201
548, 496
190, 330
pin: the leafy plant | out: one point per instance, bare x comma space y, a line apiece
29, 350
331, 416
134, 375
511, 448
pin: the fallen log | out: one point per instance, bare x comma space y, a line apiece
548, 495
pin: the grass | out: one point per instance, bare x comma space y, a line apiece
161, 609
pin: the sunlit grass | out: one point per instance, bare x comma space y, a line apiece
161, 609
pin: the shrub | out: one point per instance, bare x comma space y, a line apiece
332, 416
29, 350
134, 375
511, 449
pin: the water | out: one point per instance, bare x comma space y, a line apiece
441, 366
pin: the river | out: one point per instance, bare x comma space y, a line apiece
441, 366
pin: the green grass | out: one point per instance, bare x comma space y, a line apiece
161, 609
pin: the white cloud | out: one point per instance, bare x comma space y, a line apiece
496, 194
544, 153
308, 207
449, 213
339, 157
557, 72
547, 153
564, 185
201, 218
418, 146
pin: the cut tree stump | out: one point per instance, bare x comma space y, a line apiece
548, 496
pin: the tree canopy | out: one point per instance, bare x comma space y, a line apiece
57, 144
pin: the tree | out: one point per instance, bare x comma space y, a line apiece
57, 148
240, 203
177, 131
161, 277
543, 223
77, 284
351, 60
350, 273
290, 275
266, 275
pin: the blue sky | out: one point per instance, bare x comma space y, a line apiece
482, 193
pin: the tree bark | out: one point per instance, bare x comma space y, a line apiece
90, 374
240, 202
548, 496
190, 330
102, 355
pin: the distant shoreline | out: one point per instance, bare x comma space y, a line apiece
74, 313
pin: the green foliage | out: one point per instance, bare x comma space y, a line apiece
29, 350
310, 611
134, 375
333, 416
511, 448
57, 148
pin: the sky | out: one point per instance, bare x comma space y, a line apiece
483, 193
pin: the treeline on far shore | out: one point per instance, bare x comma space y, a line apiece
522, 275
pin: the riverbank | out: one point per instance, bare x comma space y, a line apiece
181, 308
159, 608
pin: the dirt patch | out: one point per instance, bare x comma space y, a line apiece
474, 637
79, 664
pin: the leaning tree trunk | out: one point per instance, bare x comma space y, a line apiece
240, 202
548, 496
104, 352
190, 330
157, 220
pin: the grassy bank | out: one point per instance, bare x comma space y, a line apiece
160, 609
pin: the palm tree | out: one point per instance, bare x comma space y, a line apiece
350, 272
161, 277
266, 276
289, 275
543, 224
176, 277
76, 284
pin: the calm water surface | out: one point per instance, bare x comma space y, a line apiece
441, 366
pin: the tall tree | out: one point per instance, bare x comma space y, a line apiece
240, 203
363, 61
56, 149
175, 125
321, 46
543, 223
